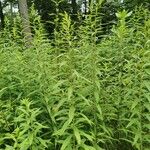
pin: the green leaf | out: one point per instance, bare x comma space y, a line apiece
133, 121
97, 147
24, 145
9, 147
71, 113
136, 138
70, 91
134, 104
147, 126
118, 15
63, 129
30, 138
147, 71
9, 136
97, 82
87, 147
147, 65
96, 96
85, 100
43, 142
147, 105
147, 84
59, 83
77, 135
89, 137
24, 111
129, 14
148, 97
100, 115
66, 142
2, 91
87, 119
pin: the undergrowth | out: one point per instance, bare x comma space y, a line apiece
75, 92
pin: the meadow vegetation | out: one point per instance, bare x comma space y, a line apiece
80, 91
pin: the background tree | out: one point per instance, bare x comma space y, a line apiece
48, 10
74, 9
25, 22
131, 4
1, 16
11, 3
7, 9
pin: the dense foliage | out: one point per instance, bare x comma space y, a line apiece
74, 93
48, 10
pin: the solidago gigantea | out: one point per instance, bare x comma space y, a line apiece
26, 134
85, 95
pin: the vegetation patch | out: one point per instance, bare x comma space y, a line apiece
79, 90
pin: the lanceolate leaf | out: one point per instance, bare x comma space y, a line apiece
71, 113
66, 142
63, 129
77, 135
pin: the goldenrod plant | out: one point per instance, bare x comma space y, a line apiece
81, 90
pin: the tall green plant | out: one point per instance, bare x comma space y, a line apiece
27, 129
85, 94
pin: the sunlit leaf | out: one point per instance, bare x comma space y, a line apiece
77, 135
71, 113
66, 142
63, 129
70, 91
